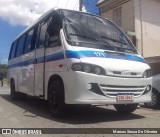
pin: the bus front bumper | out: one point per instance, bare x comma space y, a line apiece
84, 88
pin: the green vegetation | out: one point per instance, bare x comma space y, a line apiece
3, 71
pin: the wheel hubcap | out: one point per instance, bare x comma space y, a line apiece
153, 100
54, 99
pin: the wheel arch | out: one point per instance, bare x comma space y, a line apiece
15, 82
156, 90
156, 104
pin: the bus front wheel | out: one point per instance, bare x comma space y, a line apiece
155, 102
56, 98
126, 108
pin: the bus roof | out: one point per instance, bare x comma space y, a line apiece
43, 16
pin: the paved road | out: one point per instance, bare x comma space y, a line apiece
33, 113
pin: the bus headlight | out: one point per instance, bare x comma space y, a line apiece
88, 68
97, 70
77, 67
147, 73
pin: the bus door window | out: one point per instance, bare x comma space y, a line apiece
30, 40
42, 35
54, 31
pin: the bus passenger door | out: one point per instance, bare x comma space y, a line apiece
40, 60
27, 77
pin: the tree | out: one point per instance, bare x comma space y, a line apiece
3, 71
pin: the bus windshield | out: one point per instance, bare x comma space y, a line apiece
90, 31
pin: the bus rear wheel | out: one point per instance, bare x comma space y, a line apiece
14, 94
56, 98
126, 108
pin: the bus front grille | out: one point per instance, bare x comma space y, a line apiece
113, 90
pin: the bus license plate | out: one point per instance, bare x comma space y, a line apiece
125, 96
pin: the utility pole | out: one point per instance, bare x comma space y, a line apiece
80, 5
140, 6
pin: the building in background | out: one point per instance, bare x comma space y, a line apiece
140, 19
90, 6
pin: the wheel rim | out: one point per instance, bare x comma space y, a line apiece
53, 100
153, 100
12, 89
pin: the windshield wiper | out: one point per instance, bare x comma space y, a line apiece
84, 36
114, 40
115, 48
129, 50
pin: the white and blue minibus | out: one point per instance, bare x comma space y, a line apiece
71, 57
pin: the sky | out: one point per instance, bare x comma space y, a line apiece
16, 15
90, 6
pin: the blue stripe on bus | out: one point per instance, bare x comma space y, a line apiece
39, 60
101, 54
78, 55
24, 63
54, 57
71, 54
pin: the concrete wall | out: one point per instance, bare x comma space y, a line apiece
143, 18
128, 23
148, 32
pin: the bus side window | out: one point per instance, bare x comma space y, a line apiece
42, 35
10, 51
28, 45
54, 31
13, 50
30, 40
34, 38
20, 47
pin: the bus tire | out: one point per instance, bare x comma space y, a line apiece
125, 108
13, 94
56, 98
21, 96
1, 81
155, 102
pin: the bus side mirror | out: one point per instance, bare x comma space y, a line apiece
54, 41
